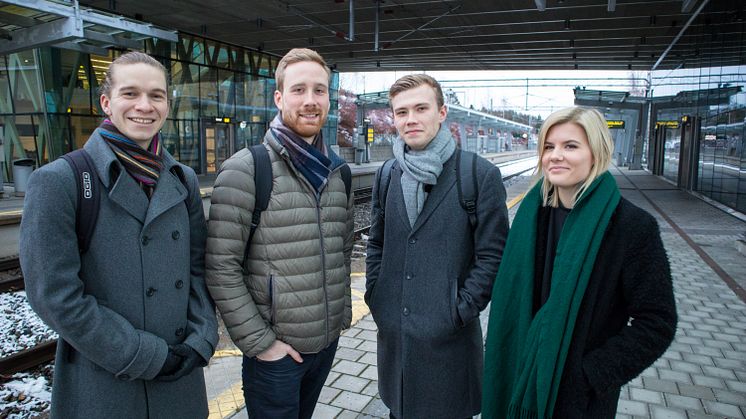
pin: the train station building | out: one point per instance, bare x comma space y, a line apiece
688, 127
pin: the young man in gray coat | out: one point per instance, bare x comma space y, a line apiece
285, 297
133, 314
429, 270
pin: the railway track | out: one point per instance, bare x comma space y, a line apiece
11, 282
28, 358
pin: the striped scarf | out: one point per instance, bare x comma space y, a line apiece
312, 160
143, 165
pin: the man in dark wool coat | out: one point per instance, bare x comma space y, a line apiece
131, 307
430, 263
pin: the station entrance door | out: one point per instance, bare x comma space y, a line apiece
217, 138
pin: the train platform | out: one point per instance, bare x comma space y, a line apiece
702, 375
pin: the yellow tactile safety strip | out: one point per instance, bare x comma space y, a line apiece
516, 200
231, 400
227, 403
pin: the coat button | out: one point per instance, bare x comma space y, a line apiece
150, 292
145, 240
412, 240
179, 284
175, 235
179, 331
410, 276
405, 311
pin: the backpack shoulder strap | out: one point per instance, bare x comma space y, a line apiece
346, 173
384, 178
263, 189
88, 186
466, 172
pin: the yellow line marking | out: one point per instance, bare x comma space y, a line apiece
516, 200
227, 352
227, 403
357, 274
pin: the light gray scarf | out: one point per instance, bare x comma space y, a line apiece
421, 167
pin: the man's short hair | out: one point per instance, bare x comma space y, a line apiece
412, 81
132, 57
298, 55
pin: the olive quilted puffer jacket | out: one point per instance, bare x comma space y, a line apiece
296, 282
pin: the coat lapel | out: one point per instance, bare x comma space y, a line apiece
398, 196
123, 190
440, 191
168, 193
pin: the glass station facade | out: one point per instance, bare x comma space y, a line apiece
221, 99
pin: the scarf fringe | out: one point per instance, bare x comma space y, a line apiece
518, 412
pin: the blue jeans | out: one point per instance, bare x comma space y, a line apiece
285, 389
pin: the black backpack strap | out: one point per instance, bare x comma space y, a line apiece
346, 178
466, 173
89, 198
384, 178
263, 187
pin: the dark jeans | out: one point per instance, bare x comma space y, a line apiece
285, 389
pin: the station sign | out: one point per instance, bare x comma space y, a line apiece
615, 123
668, 124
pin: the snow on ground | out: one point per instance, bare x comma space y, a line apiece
26, 395
20, 328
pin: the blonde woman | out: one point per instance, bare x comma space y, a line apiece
583, 301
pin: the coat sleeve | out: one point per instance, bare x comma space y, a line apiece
648, 291
232, 203
50, 261
489, 242
202, 324
349, 241
374, 250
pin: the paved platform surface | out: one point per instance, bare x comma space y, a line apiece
702, 375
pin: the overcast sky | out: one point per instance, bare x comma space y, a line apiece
545, 91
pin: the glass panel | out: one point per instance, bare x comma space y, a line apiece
53, 137
24, 82
181, 138
185, 90
18, 135
208, 89
227, 94
81, 128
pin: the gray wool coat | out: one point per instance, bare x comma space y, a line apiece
117, 307
426, 285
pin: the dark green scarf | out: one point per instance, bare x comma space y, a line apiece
525, 355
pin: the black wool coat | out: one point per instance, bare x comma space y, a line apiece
426, 285
627, 318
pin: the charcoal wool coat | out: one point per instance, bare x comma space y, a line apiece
426, 285
117, 307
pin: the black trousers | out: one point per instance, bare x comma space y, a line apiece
285, 389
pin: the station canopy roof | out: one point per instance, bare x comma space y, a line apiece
370, 35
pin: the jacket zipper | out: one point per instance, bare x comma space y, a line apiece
317, 195
323, 270
271, 300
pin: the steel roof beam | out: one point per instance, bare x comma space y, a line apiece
49, 33
17, 20
86, 49
97, 18
112, 40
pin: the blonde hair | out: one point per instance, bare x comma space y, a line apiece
132, 57
599, 140
298, 55
413, 81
